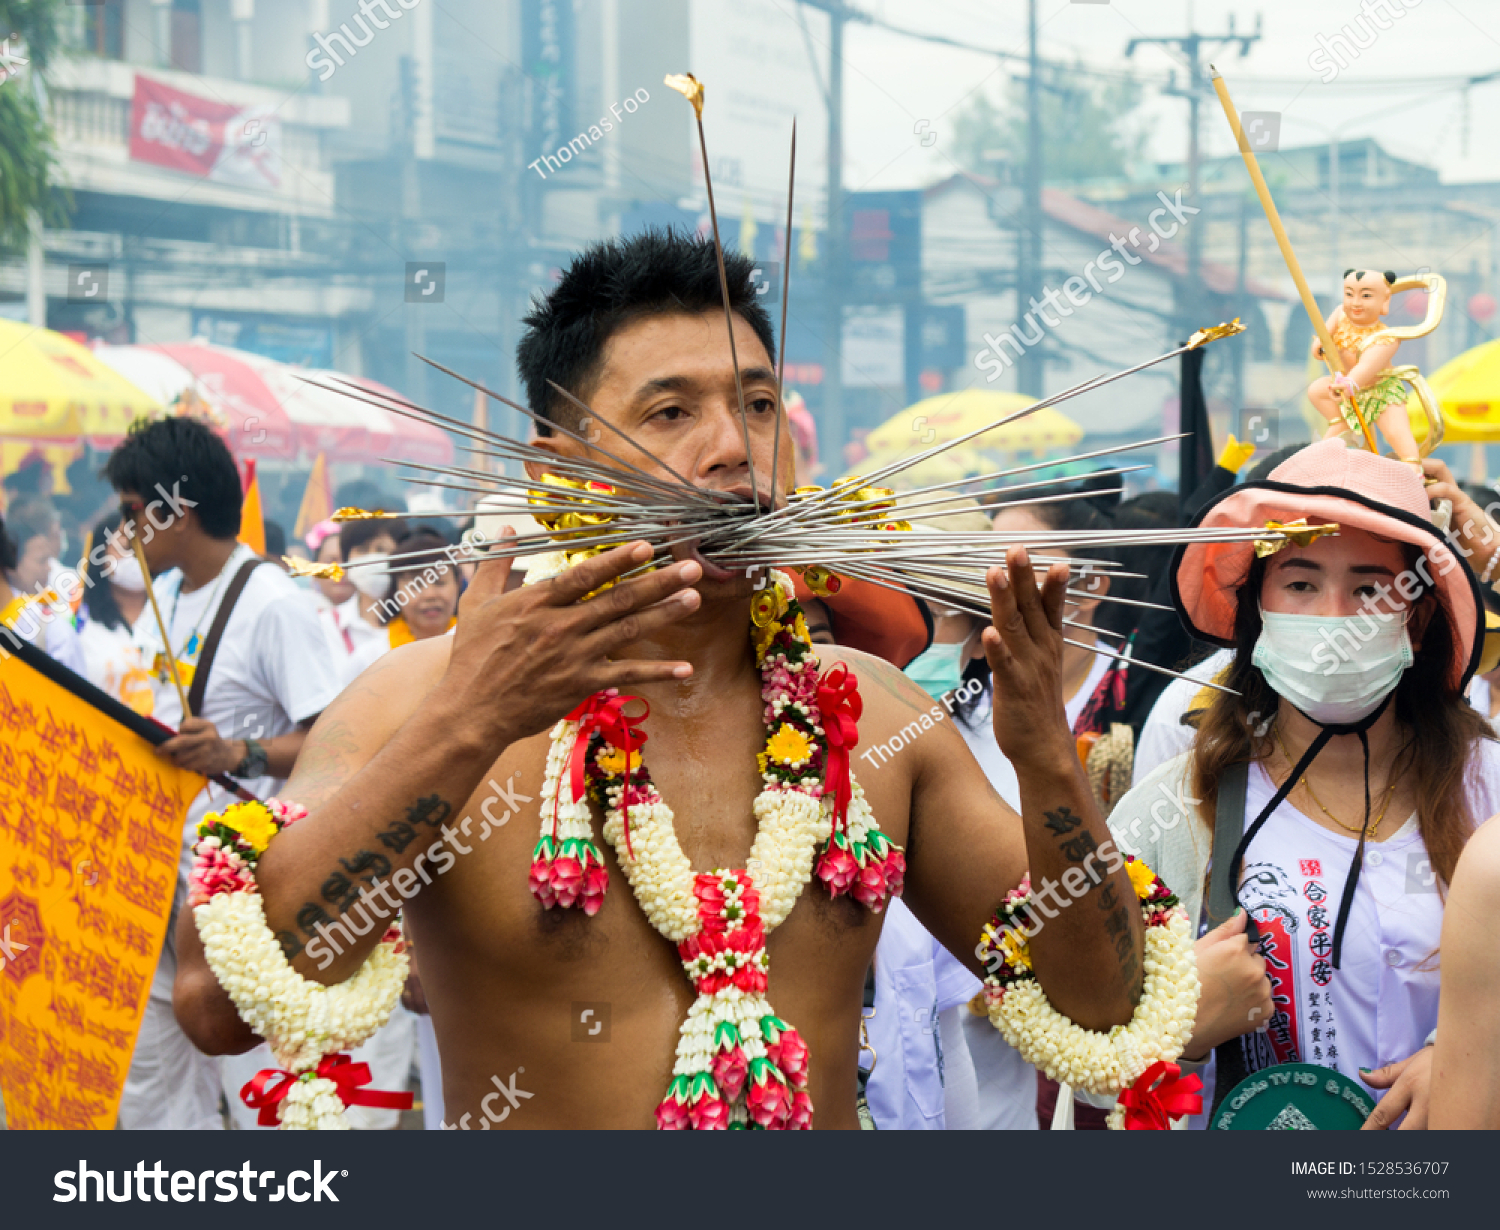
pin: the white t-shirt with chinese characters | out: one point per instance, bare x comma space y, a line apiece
272, 670
1381, 1003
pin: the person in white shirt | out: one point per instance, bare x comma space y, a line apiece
1164, 736
422, 603
27, 612
1364, 773
268, 680
114, 597
360, 619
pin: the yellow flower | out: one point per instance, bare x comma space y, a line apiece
789, 746
799, 630
1016, 949
1142, 877
612, 761
253, 822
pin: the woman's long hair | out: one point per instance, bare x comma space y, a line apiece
1441, 726
99, 591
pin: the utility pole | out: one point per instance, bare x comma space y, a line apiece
1031, 366
1191, 46
833, 430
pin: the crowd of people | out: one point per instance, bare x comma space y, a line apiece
1314, 789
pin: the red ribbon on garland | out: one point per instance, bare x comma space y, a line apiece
268, 1089
1152, 1110
604, 712
841, 707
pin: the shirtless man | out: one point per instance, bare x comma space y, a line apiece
637, 330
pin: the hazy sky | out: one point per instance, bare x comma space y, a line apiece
893, 82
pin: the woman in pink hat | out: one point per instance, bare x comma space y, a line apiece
1317, 818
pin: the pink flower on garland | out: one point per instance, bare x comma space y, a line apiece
216, 870
595, 882
838, 870
869, 886
769, 1103
789, 1053
709, 1114
895, 871
540, 882
567, 880
802, 1112
672, 1116
730, 1070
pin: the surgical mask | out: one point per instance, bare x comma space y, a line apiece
938, 668
1336, 669
126, 573
369, 575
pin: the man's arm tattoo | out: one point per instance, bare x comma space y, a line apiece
1062, 821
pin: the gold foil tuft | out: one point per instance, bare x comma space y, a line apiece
689, 87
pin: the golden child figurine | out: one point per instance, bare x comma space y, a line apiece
1368, 393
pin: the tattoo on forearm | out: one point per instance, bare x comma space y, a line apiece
1080, 846
1062, 821
429, 810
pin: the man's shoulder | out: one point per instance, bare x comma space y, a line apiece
882, 685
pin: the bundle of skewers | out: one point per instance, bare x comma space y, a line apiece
856, 528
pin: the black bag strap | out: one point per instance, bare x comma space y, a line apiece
1230, 1067
1229, 827
237, 585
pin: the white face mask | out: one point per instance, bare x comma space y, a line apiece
1336, 669
125, 571
369, 576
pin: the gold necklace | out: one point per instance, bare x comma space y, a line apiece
1390, 793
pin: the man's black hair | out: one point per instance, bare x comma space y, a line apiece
183, 453
612, 284
427, 540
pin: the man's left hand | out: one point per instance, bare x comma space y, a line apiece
197, 746
1024, 646
1410, 1083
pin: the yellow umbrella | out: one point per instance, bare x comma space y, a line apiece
1467, 389
51, 388
947, 416
944, 468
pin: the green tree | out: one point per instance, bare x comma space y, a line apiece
28, 154
1086, 131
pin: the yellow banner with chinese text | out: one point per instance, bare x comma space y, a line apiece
90, 835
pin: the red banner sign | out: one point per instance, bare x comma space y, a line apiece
201, 136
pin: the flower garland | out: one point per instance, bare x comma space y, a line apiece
307, 1024
738, 1065
1130, 1057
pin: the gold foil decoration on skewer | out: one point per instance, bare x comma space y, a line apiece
306, 568
360, 514
689, 87
1293, 534
1214, 332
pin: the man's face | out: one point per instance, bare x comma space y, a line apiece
667, 382
159, 545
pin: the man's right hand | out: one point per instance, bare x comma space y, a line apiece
1236, 995
524, 659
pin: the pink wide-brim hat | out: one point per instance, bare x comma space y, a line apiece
1325, 482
